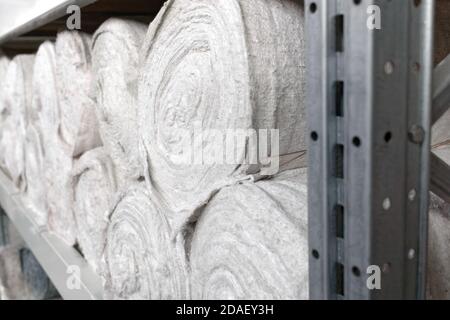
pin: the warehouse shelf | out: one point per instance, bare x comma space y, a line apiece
23, 16
61, 262
25, 24
371, 183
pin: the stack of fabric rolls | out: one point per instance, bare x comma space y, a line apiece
157, 151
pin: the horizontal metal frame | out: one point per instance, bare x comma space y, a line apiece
36, 18
56, 257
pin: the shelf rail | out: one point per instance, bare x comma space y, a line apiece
369, 97
70, 273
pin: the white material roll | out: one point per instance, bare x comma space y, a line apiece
115, 59
42, 132
438, 250
12, 284
251, 241
142, 260
16, 101
94, 187
439, 221
4, 62
77, 128
223, 65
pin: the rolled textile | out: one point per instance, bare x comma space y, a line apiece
12, 284
438, 253
42, 131
77, 129
250, 241
212, 69
4, 61
79, 126
439, 221
94, 187
16, 101
115, 59
142, 260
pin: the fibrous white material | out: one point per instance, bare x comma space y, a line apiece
94, 187
12, 284
4, 62
115, 59
42, 131
142, 260
438, 253
16, 101
218, 66
251, 241
77, 128
439, 221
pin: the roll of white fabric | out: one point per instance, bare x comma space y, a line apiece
142, 260
42, 131
439, 221
438, 250
16, 99
4, 62
12, 284
79, 127
251, 241
115, 59
209, 69
77, 130
94, 187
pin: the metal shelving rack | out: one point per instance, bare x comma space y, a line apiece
56, 258
372, 97
371, 103
30, 23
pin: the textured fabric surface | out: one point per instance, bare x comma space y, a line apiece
94, 187
4, 62
12, 284
439, 222
142, 260
41, 132
438, 249
221, 65
16, 101
251, 242
115, 60
77, 128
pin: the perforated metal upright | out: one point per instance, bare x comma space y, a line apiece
369, 103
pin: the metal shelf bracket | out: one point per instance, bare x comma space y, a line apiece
369, 97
